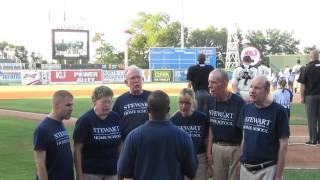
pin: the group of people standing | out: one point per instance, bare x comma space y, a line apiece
248, 132
290, 75
130, 138
215, 132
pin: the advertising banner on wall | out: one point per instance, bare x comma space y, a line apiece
162, 75
31, 77
45, 76
180, 75
10, 77
76, 76
113, 76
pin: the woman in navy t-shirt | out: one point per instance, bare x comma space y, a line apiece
97, 139
196, 124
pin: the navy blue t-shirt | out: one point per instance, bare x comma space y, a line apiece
52, 137
262, 128
132, 110
196, 125
101, 140
157, 150
224, 119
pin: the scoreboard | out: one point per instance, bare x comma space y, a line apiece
177, 58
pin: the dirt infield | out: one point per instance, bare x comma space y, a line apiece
46, 91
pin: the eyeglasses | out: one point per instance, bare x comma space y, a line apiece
135, 78
185, 102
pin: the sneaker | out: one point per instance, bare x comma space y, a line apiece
310, 143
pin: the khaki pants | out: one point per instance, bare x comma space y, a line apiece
263, 174
100, 177
201, 173
225, 162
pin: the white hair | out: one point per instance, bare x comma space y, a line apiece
132, 68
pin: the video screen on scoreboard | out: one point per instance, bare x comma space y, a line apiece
70, 44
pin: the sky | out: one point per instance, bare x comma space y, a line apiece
29, 22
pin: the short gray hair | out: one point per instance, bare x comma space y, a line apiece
131, 68
223, 74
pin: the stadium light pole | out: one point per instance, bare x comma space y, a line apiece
182, 25
126, 50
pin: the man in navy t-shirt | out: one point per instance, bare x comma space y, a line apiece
266, 131
132, 105
157, 150
225, 135
51, 142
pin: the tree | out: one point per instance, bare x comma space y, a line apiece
307, 50
21, 54
171, 35
3, 46
210, 37
106, 53
273, 41
258, 40
281, 42
149, 30
36, 58
240, 39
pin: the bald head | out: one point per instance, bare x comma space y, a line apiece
201, 58
314, 55
259, 91
221, 74
263, 80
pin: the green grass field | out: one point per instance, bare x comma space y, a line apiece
298, 115
17, 155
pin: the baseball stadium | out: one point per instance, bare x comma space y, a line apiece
26, 98
22, 107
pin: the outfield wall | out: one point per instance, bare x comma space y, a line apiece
84, 76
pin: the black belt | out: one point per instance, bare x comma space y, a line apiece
224, 143
256, 167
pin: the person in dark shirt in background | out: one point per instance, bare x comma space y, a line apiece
157, 150
310, 95
197, 77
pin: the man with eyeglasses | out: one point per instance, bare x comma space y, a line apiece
132, 105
